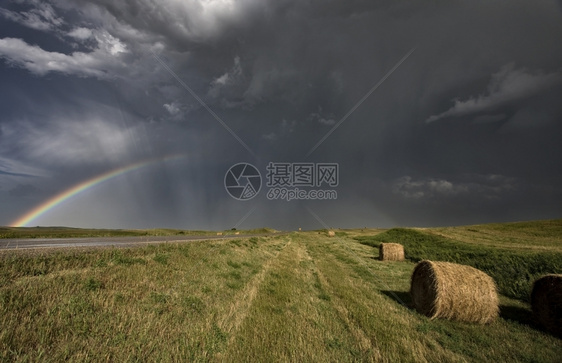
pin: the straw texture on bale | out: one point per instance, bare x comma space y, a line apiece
455, 292
546, 302
391, 252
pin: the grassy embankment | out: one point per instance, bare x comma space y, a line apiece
298, 297
514, 254
66, 232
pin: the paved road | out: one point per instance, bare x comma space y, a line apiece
20, 243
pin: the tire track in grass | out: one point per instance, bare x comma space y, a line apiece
242, 301
367, 345
289, 320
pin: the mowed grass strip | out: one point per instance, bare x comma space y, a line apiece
292, 318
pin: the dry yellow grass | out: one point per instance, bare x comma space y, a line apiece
301, 297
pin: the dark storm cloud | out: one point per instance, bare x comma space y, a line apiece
15, 174
42, 16
11, 168
24, 190
470, 118
508, 86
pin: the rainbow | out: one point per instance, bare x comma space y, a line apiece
62, 197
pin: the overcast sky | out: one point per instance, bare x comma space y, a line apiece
437, 112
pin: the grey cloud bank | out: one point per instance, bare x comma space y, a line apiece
465, 130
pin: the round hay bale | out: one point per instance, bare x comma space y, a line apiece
455, 292
391, 252
331, 233
546, 302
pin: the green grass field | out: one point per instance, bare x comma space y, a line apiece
300, 297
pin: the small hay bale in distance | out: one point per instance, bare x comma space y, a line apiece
546, 303
391, 252
454, 292
331, 233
